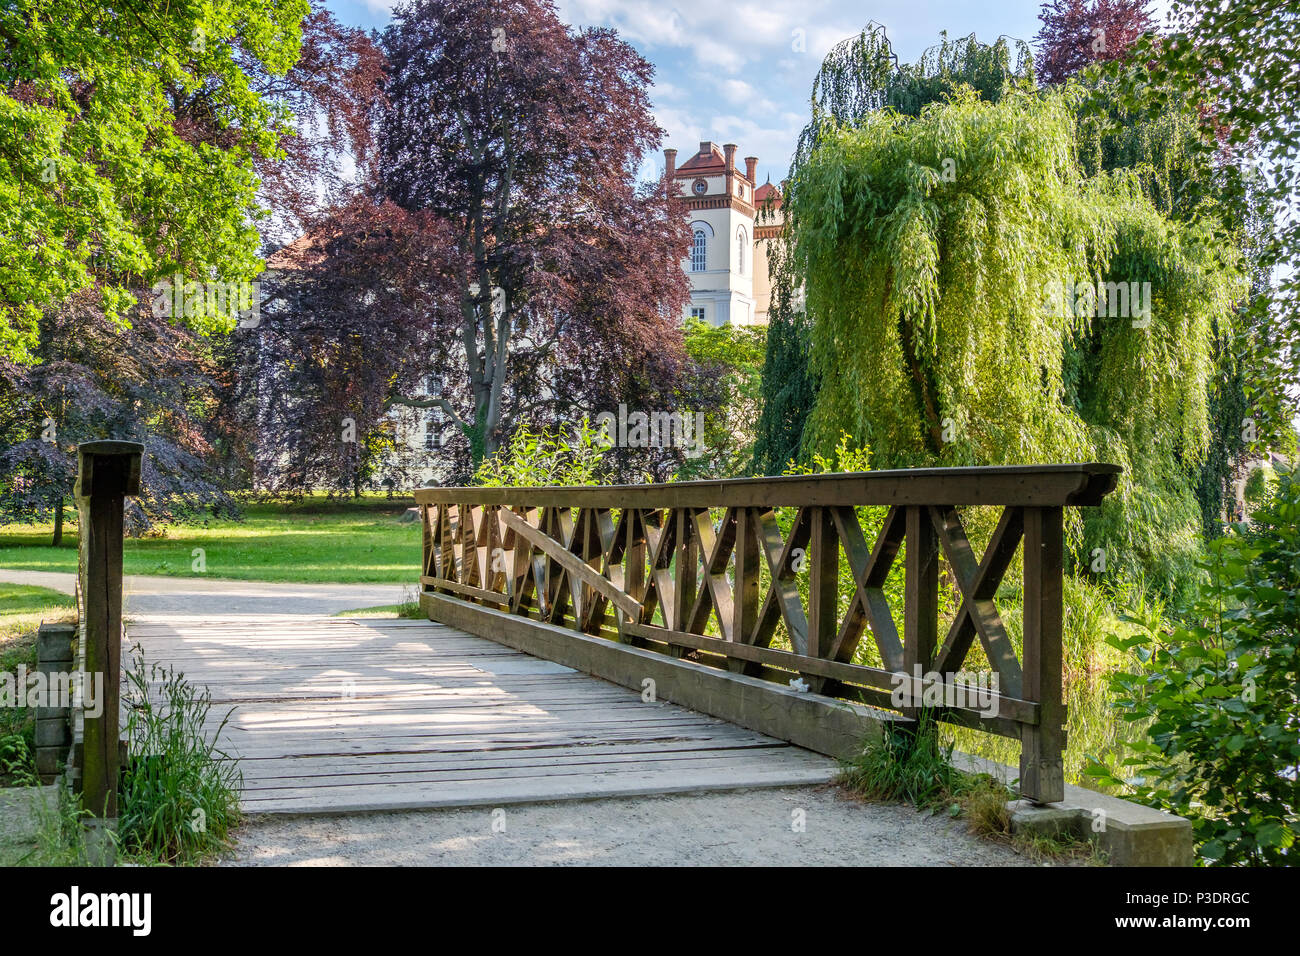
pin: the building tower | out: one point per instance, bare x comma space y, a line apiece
720, 203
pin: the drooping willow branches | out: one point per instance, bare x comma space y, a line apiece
986, 274
930, 248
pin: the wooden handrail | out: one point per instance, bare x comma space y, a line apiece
679, 567
1027, 485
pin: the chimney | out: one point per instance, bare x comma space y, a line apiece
670, 162
706, 147
751, 169
730, 150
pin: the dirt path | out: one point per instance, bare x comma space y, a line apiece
739, 828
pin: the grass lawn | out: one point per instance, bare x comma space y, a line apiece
22, 609
315, 540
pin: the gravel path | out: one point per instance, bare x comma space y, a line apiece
150, 596
739, 828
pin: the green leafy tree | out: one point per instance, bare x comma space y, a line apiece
129, 133
1238, 65
859, 76
542, 457
932, 245
1221, 694
788, 389
1164, 144
731, 356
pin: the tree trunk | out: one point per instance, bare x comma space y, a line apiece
58, 525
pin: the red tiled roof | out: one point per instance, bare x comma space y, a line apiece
701, 162
762, 193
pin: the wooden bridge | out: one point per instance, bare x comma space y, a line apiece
635, 639
334, 716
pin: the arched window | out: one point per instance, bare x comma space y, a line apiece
740, 250
698, 251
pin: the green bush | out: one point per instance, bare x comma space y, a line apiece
1222, 692
542, 458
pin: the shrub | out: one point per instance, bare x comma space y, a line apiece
1222, 692
532, 459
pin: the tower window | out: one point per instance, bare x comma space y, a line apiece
740, 250
698, 251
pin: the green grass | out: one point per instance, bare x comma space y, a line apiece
914, 766
179, 799
409, 608
910, 764
384, 611
22, 610
315, 540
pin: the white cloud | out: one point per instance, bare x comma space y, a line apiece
737, 91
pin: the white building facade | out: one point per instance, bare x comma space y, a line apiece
727, 264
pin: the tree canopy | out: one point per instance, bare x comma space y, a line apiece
524, 135
928, 244
129, 134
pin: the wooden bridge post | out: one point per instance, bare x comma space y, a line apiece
1042, 776
921, 597
107, 471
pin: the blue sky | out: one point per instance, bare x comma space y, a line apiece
730, 72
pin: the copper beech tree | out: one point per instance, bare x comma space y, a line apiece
1076, 33
498, 265
524, 136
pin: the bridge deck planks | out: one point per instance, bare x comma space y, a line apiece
335, 715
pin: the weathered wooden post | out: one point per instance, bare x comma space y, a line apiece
54, 661
107, 471
1042, 773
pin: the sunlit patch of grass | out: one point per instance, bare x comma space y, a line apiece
314, 540
409, 608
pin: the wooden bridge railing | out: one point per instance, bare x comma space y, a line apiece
704, 569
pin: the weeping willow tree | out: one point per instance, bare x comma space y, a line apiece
859, 76
953, 261
1189, 179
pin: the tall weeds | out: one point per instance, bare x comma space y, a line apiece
180, 792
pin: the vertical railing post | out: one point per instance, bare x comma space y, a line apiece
823, 590
1042, 774
744, 604
920, 595
107, 472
